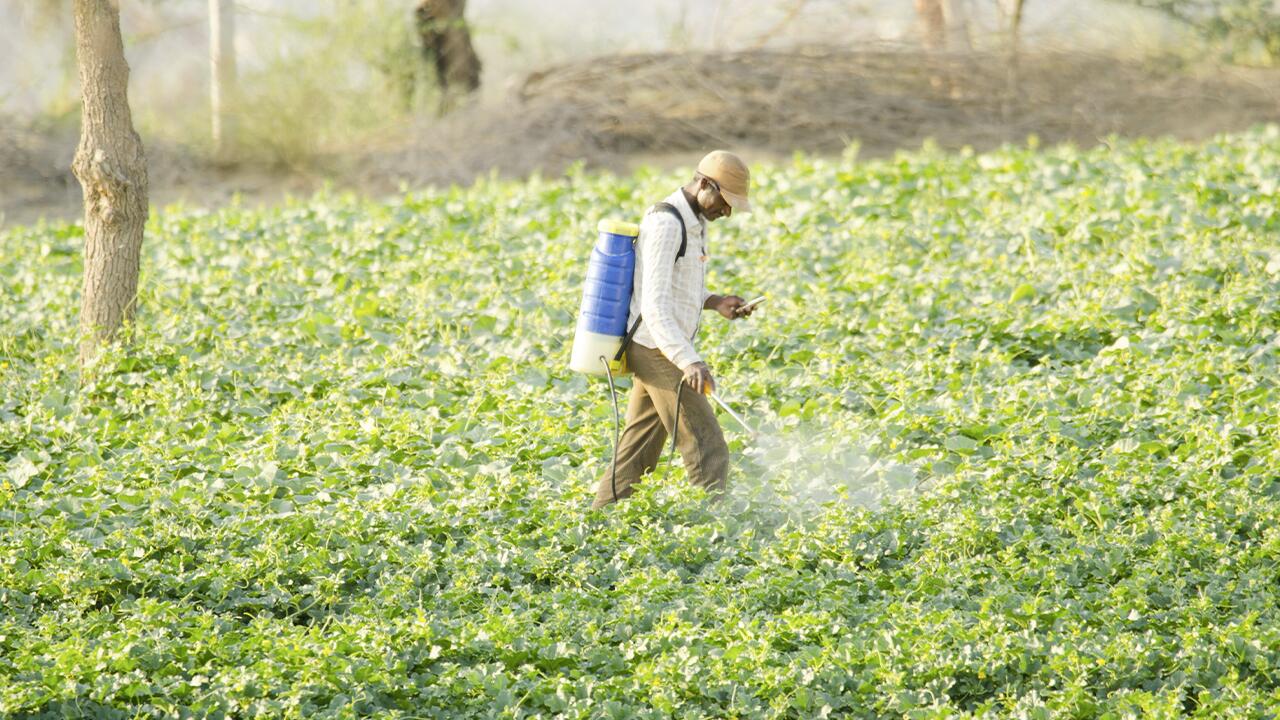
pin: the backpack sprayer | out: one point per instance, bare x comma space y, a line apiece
606, 301
601, 338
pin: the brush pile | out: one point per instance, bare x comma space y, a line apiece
821, 99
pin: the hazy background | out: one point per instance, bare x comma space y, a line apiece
338, 92
166, 41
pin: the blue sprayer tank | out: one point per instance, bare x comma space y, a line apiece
606, 299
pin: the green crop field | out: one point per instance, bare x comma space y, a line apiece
1020, 456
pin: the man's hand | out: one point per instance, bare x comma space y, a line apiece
698, 377
730, 306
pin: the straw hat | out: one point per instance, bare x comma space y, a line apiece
731, 174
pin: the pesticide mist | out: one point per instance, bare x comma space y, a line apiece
806, 466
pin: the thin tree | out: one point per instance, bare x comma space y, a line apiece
112, 170
934, 20
1014, 9
789, 16
944, 24
956, 16
222, 73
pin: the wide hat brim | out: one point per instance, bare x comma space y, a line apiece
739, 203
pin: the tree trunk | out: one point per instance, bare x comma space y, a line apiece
112, 170
446, 44
222, 74
933, 24
1015, 25
1013, 63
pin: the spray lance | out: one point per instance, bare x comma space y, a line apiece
602, 334
754, 435
675, 424
718, 400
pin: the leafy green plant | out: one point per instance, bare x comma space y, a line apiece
1022, 456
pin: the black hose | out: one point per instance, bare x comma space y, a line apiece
617, 429
617, 426
675, 425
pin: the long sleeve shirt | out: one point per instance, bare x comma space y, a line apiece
669, 293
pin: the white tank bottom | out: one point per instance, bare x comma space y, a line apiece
588, 347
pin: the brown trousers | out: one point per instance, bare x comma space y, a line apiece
650, 413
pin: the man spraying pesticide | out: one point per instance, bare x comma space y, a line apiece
655, 293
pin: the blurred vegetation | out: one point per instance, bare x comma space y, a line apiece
1243, 31
333, 77
352, 71
50, 22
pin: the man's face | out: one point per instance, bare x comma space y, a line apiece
712, 202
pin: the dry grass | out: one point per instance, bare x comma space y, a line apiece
821, 99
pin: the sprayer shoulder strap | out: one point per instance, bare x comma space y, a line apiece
670, 209
665, 207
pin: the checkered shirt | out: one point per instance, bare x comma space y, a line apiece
670, 293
